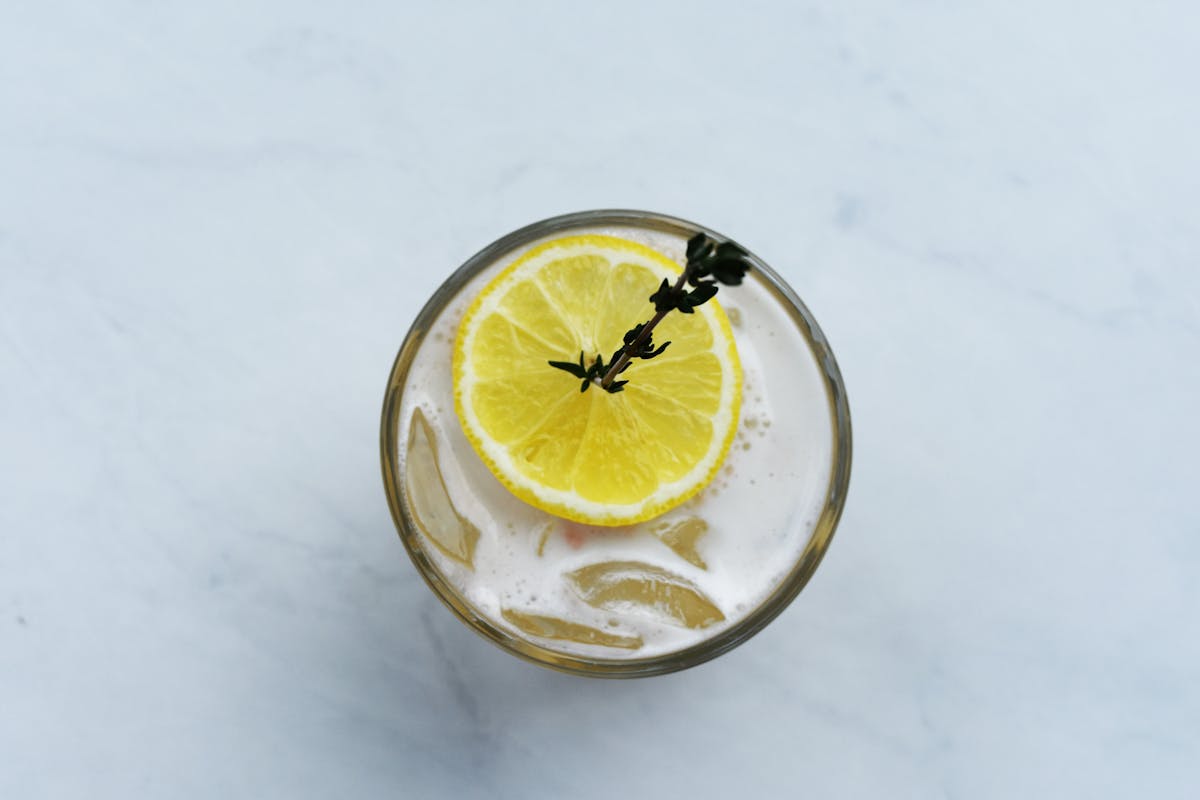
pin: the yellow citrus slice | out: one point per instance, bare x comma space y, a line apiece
595, 457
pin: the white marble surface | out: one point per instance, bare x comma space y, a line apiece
217, 220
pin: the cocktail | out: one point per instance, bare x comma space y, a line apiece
601, 465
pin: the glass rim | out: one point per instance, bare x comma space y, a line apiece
734, 635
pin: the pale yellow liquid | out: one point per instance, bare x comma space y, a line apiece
655, 587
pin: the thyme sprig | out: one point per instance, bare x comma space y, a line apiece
709, 263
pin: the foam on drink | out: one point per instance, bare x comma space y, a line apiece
651, 588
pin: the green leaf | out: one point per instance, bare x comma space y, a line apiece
698, 245
664, 298
652, 353
730, 271
731, 250
701, 294
568, 366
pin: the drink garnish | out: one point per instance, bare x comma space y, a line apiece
709, 263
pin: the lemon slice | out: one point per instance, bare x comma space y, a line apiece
595, 457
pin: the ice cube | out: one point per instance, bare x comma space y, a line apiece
429, 500
547, 529
681, 536
554, 628
639, 588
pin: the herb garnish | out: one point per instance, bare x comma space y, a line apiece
709, 262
